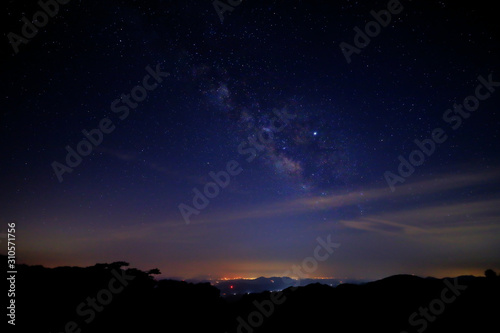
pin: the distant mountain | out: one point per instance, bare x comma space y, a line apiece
247, 286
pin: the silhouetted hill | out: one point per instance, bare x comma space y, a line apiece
114, 298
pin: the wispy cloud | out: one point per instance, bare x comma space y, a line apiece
478, 216
378, 195
392, 218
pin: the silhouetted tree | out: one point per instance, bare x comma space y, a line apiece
119, 264
154, 271
490, 274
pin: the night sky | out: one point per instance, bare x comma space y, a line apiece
312, 124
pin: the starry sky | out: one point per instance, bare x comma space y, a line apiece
268, 93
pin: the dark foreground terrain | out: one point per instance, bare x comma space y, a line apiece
115, 298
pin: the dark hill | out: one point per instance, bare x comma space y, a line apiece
114, 298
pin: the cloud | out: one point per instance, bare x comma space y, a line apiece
380, 197
438, 219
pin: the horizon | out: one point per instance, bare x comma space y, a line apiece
216, 281
209, 278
